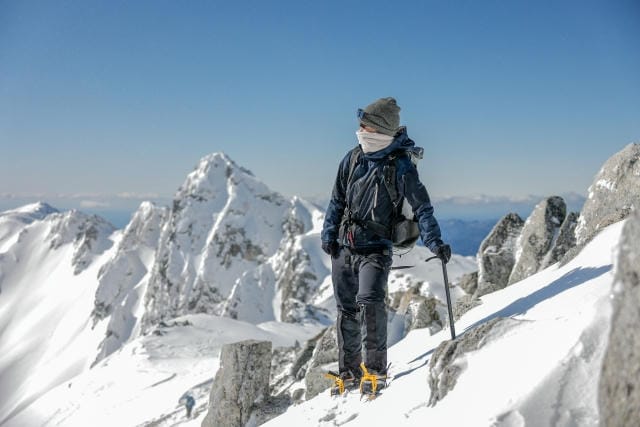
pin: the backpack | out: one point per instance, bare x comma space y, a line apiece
404, 224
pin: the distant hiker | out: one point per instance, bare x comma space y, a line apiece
189, 403
356, 234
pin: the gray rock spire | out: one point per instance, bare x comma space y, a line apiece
538, 236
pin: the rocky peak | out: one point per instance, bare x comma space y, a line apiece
538, 235
224, 223
88, 234
497, 254
145, 226
14, 222
299, 219
211, 171
30, 213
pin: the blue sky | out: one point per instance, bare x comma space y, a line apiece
508, 98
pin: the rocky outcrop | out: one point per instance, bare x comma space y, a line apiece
325, 353
444, 369
496, 256
464, 304
419, 311
619, 388
469, 282
241, 385
614, 193
422, 313
537, 237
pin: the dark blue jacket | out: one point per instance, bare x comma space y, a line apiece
374, 202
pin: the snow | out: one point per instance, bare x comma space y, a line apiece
145, 379
543, 369
603, 183
45, 314
71, 304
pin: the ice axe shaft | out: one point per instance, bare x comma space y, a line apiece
446, 289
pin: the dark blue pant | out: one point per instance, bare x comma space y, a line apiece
360, 289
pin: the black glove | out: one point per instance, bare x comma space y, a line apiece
443, 252
331, 248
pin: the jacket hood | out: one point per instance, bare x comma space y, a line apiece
400, 142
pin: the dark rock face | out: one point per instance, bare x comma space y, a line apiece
289, 367
564, 243
615, 192
241, 385
537, 237
619, 388
443, 369
496, 256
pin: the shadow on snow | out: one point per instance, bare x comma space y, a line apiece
569, 280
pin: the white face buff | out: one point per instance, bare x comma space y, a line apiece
372, 141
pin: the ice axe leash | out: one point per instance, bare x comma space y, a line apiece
446, 289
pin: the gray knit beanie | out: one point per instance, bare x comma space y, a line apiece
383, 115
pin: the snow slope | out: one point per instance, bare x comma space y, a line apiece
541, 370
143, 381
47, 269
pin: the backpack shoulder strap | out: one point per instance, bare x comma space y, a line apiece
355, 155
390, 177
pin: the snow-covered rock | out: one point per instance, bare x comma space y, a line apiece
614, 193
537, 237
14, 222
223, 223
497, 254
296, 278
619, 391
241, 384
123, 280
87, 233
419, 311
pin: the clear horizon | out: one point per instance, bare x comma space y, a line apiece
508, 99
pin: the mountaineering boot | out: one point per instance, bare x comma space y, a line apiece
343, 382
372, 382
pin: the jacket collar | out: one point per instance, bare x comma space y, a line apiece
401, 141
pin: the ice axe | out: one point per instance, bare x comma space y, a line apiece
446, 288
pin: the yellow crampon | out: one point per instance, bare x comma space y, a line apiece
339, 383
370, 378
